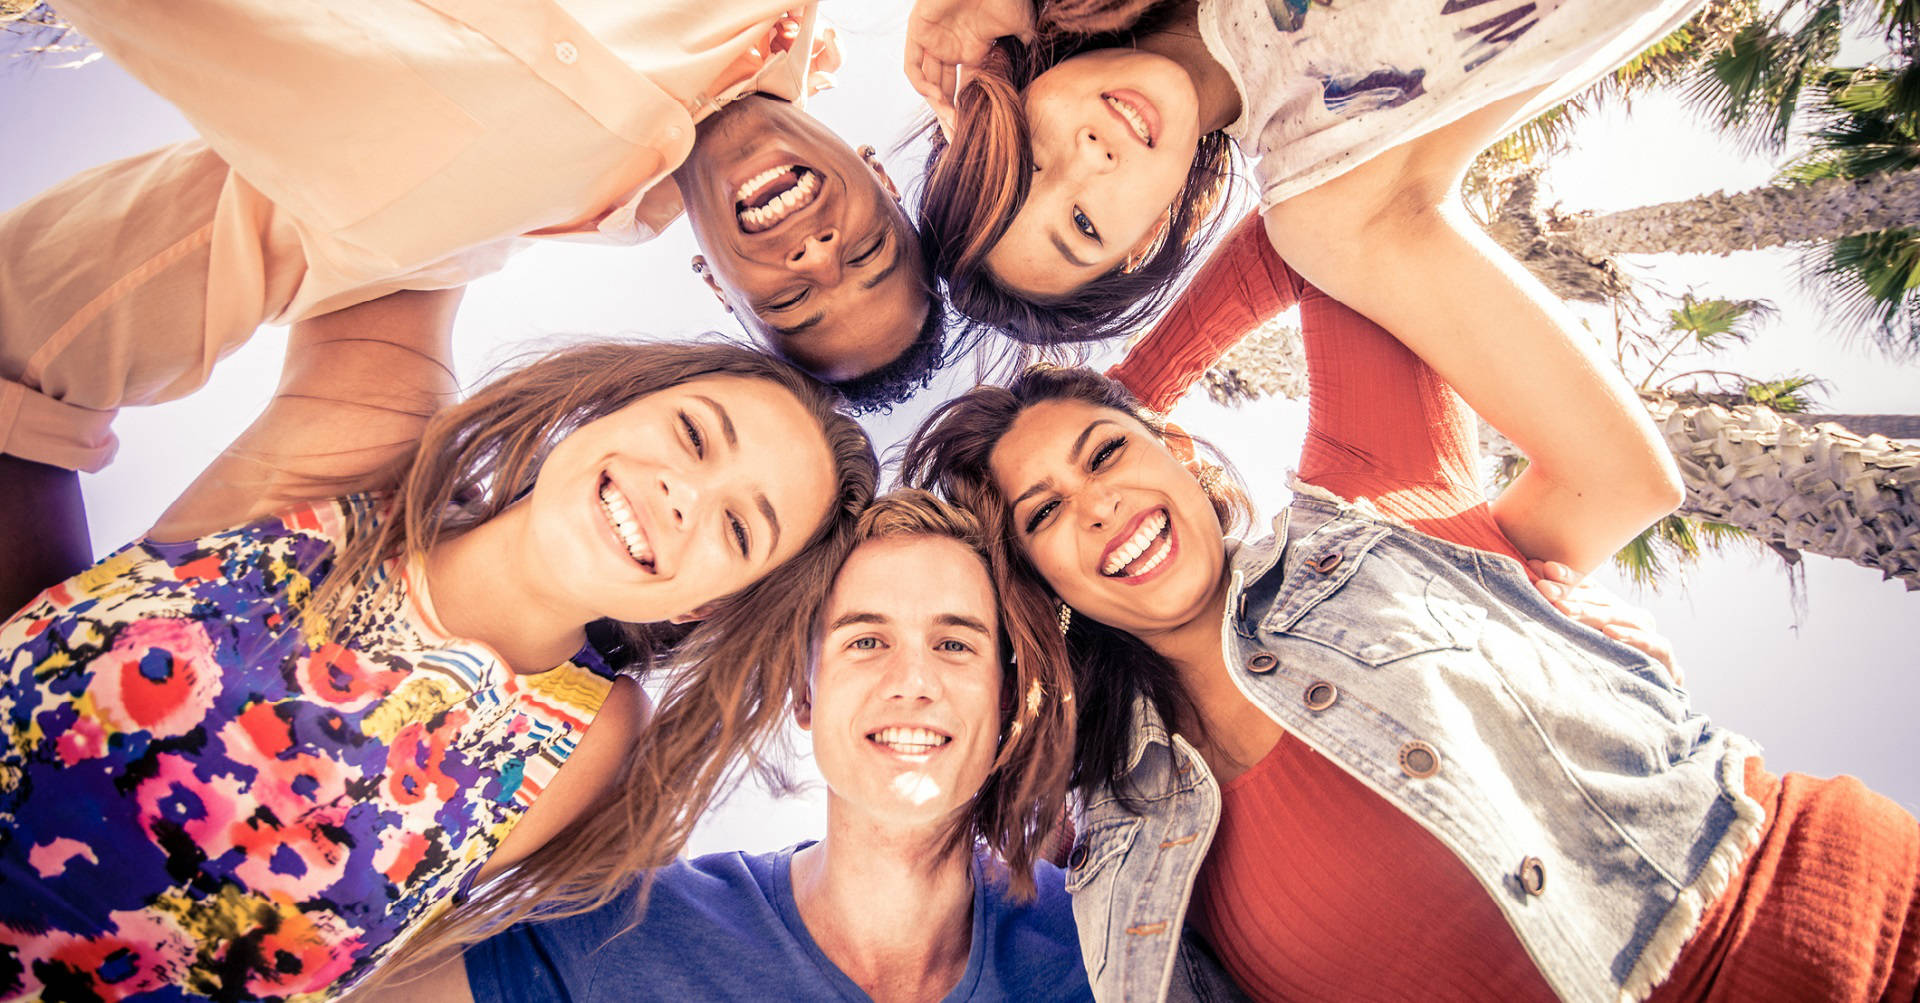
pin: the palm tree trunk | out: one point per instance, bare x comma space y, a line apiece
1720, 223
1814, 487
1893, 426
1572, 252
1797, 482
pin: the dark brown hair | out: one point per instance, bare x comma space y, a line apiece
1022, 800
730, 676
951, 453
974, 185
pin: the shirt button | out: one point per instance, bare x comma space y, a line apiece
1262, 662
1321, 695
1419, 760
566, 52
1533, 875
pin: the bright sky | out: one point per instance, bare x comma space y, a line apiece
1831, 694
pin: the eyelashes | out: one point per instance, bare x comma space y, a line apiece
1101, 457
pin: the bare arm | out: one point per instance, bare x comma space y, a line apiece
446, 983
355, 393
583, 779
1390, 240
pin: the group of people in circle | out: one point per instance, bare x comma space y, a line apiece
362, 715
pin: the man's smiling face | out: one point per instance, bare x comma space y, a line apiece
804, 239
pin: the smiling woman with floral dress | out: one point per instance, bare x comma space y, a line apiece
250, 751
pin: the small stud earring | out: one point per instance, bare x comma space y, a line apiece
867, 152
699, 266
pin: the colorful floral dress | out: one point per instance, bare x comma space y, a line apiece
203, 795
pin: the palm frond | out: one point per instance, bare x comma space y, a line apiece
1663, 550
1716, 323
1870, 283
1751, 87
1792, 394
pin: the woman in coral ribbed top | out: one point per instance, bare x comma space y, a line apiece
1316, 888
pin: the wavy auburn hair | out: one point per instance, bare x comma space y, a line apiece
974, 185
952, 452
1020, 804
730, 675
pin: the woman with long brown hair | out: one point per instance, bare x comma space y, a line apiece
384, 651
1366, 757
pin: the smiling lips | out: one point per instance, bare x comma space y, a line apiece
1141, 551
625, 526
767, 198
908, 741
1136, 112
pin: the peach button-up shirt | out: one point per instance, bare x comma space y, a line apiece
351, 148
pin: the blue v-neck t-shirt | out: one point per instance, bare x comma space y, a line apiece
725, 927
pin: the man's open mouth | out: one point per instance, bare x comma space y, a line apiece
908, 741
773, 195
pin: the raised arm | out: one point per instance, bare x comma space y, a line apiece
356, 391
1242, 284
1389, 240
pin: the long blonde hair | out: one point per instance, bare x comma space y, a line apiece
731, 675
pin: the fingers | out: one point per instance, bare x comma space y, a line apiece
1655, 646
1554, 571
935, 81
1599, 609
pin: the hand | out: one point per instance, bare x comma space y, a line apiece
1605, 612
944, 35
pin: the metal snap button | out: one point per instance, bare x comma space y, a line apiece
1325, 563
566, 52
1419, 760
1262, 662
1533, 875
1321, 695
1077, 857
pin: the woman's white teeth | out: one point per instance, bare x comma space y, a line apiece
1149, 532
776, 209
1133, 117
625, 526
909, 740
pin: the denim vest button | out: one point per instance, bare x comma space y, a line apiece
1418, 760
1533, 875
1325, 563
1262, 662
1321, 695
1077, 857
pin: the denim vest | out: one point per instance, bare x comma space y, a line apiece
1569, 775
